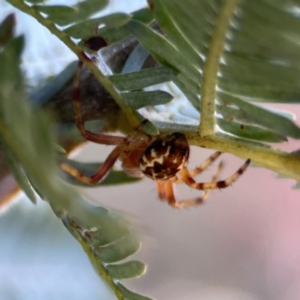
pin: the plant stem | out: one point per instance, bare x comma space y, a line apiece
100, 268
211, 68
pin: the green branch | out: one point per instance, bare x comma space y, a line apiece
100, 268
211, 67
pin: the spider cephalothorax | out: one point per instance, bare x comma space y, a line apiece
165, 156
162, 158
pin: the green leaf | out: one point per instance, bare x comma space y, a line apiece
18, 173
64, 15
130, 269
7, 28
191, 19
274, 83
163, 18
113, 35
149, 127
101, 237
136, 60
89, 7
162, 50
262, 27
129, 295
250, 132
254, 67
122, 244
141, 79
35, 1
90, 27
58, 13
143, 15
258, 115
261, 93
138, 100
190, 90
96, 235
118, 250
42, 95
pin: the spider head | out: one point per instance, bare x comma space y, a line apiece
165, 156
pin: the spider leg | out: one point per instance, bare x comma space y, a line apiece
202, 167
187, 178
90, 136
160, 187
163, 187
206, 164
169, 193
100, 174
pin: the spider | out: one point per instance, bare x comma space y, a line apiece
162, 158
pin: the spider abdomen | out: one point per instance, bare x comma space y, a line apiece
165, 156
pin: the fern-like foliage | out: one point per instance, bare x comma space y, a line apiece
228, 57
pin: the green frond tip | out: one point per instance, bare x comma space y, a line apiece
18, 173
118, 250
102, 227
129, 295
137, 99
12, 87
7, 28
143, 78
130, 269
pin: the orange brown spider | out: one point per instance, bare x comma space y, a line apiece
161, 158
